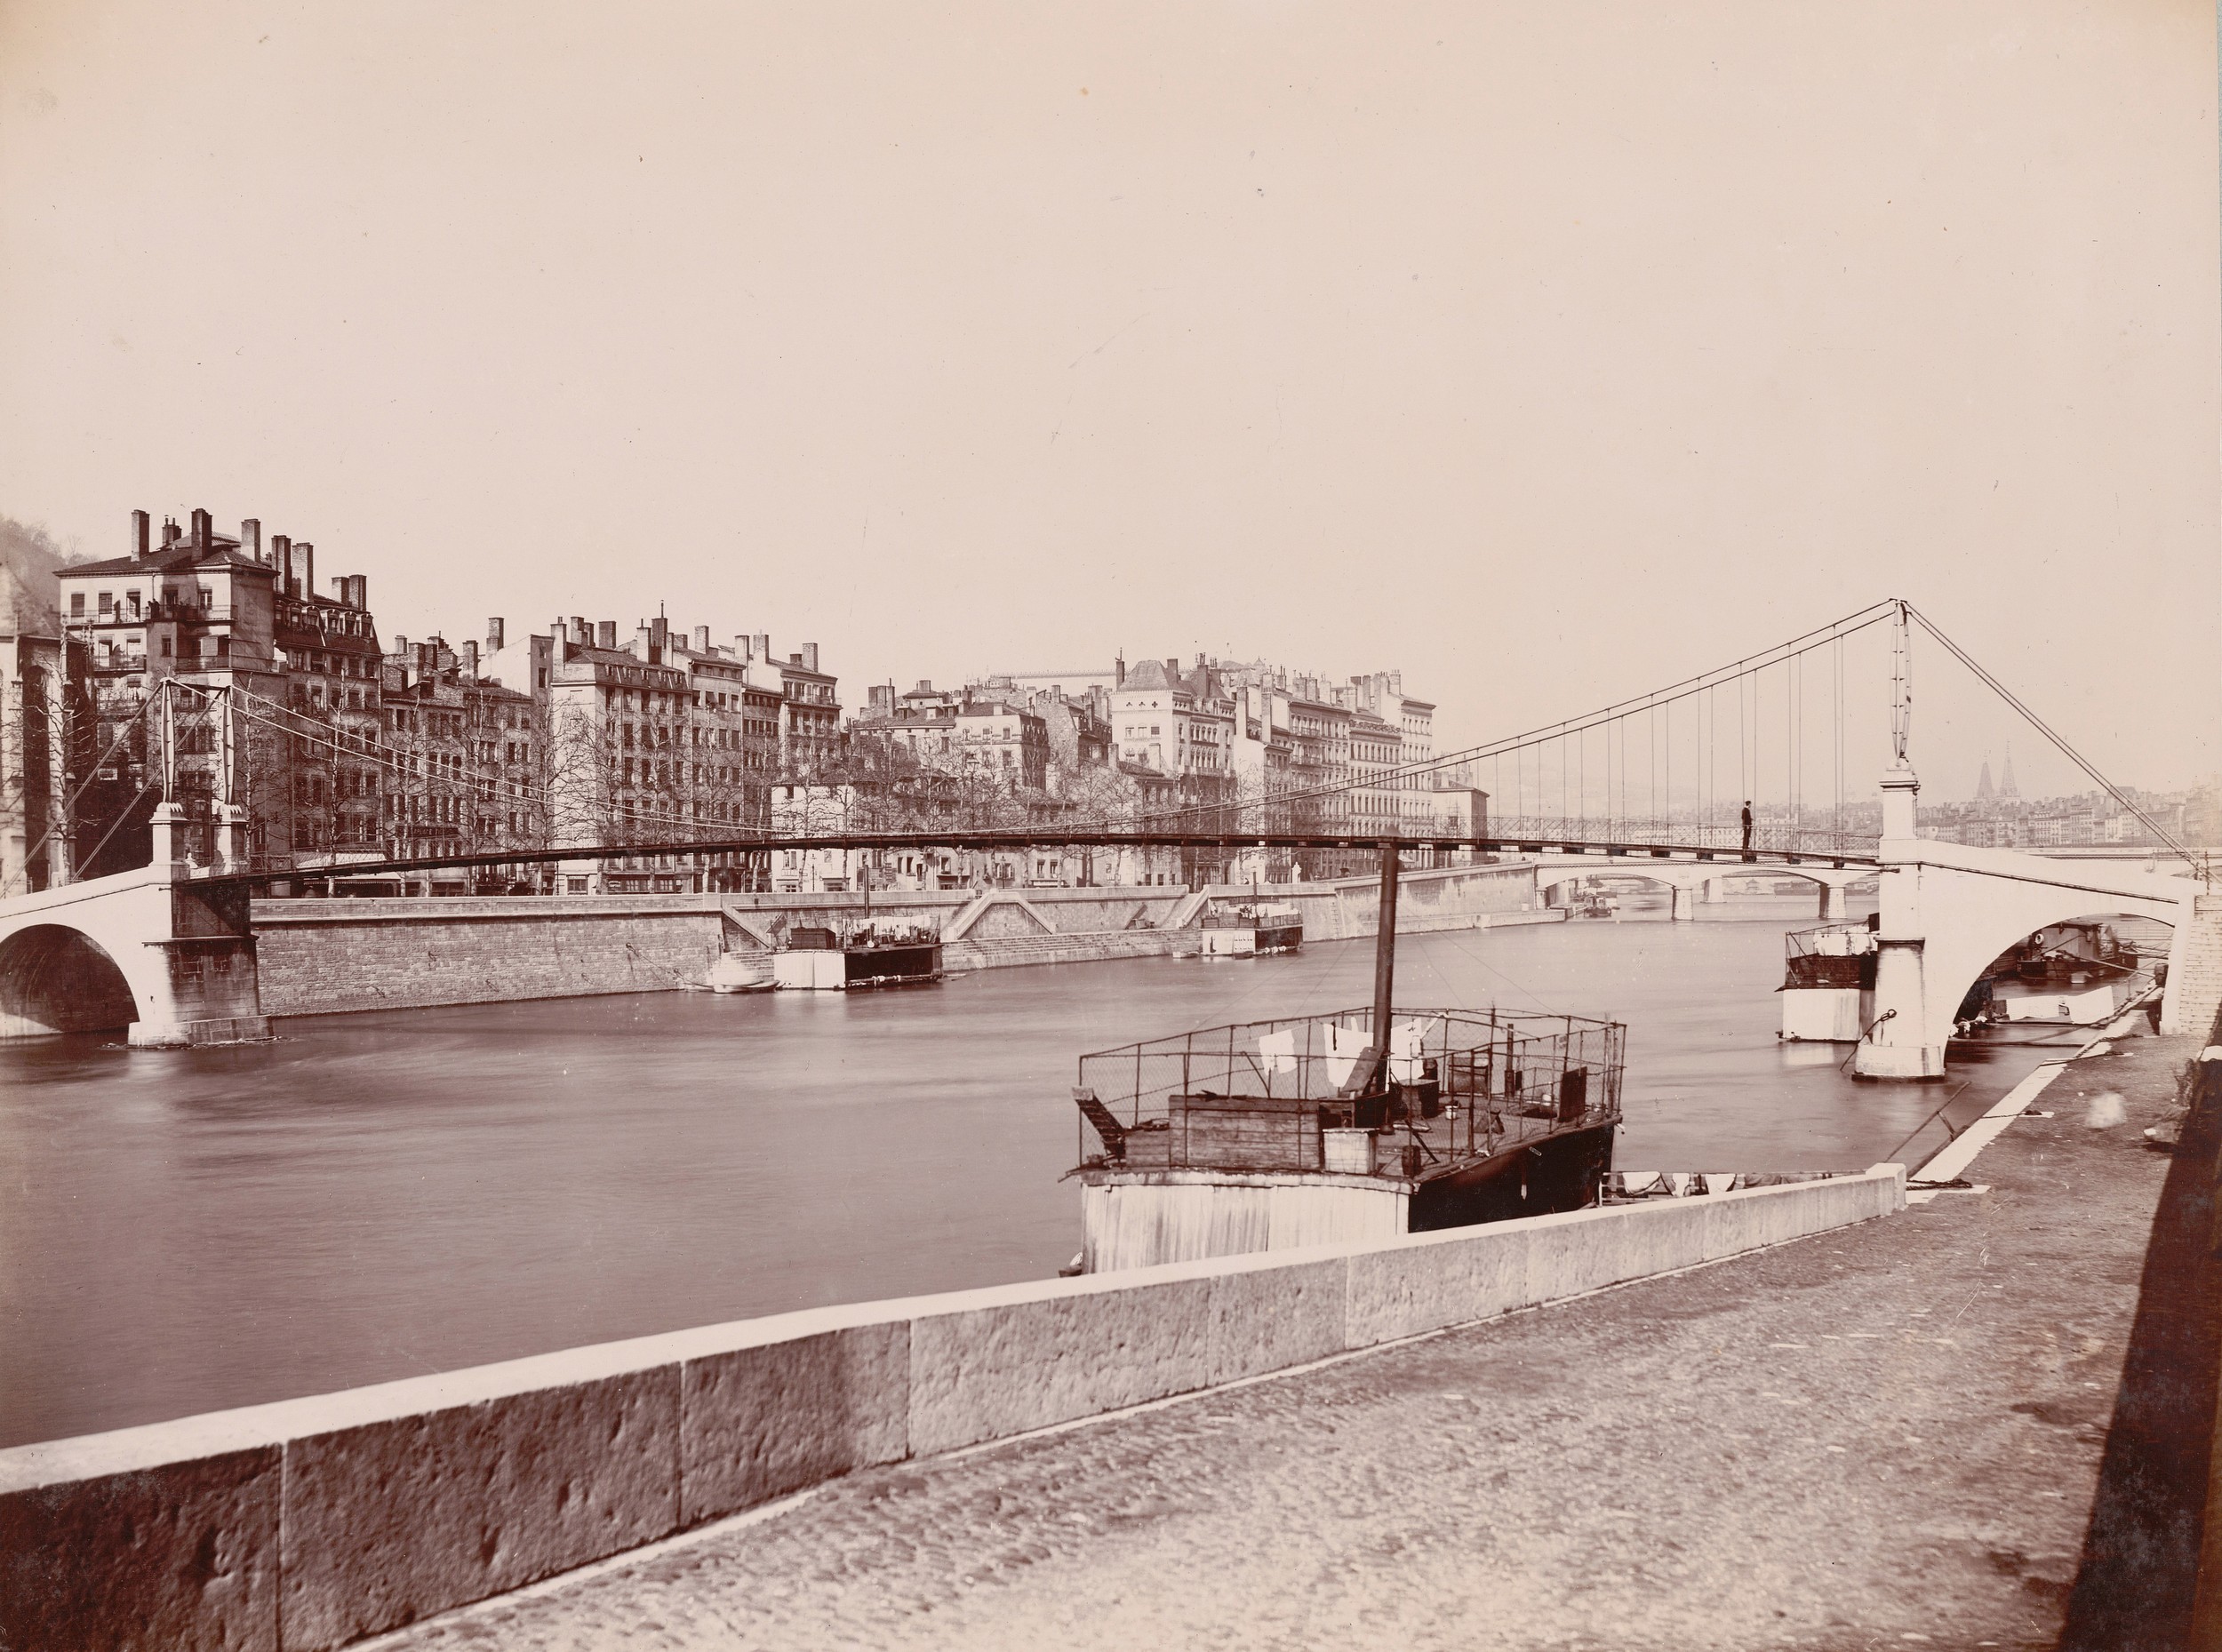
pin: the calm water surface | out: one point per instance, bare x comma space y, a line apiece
379, 1196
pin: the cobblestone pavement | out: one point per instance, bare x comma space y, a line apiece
1884, 1437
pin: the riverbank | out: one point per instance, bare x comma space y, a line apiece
1893, 1434
325, 956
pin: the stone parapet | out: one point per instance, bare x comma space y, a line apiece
313, 1522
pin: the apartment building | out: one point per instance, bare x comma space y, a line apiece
217, 611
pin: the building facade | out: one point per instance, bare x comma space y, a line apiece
277, 728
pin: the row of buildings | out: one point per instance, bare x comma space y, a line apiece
210, 668
1998, 816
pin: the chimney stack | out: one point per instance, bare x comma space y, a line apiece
282, 558
494, 629
647, 644
140, 524
169, 531
204, 529
605, 634
658, 629
1173, 669
251, 537
701, 639
560, 635
809, 656
303, 583
763, 644
742, 651
471, 659
359, 593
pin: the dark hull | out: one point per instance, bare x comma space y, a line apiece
917, 965
1562, 1172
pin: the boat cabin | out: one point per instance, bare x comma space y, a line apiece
1269, 1134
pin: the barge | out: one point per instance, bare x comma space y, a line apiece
2081, 973
1271, 1134
822, 961
1828, 982
1248, 931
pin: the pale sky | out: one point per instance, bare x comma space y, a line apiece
1549, 351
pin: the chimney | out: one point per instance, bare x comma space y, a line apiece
141, 522
169, 531
471, 659
762, 645
282, 558
251, 537
742, 651
659, 629
303, 583
648, 642
401, 647
560, 635
701, 639
1173, 669
1118, 671
204, 529
359, 593
809, 656
493, 634
925, 685
605, 634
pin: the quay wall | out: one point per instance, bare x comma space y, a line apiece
311, 1523
320, 956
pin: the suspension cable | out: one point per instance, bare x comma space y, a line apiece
2050, 733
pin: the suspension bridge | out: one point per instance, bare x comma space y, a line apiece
1754, 766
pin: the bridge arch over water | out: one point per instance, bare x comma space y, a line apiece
1947, 910
54, 978
143, 950
1692, 879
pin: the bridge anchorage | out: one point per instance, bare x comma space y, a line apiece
1639, 788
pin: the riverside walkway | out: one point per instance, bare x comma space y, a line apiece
1894, 1434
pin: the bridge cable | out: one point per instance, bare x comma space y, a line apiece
69, 804
124, 814
2046, 730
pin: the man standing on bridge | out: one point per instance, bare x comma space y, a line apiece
1747, 825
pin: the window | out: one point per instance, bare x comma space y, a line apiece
107, 602
76, 604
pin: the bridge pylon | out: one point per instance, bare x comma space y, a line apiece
1900, 1043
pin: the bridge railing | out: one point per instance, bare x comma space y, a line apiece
1597, 830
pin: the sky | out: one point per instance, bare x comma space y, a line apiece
1550, 352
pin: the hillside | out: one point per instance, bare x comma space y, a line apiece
29, 555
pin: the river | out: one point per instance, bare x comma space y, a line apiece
377, 1196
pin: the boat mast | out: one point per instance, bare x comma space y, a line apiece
1385, 957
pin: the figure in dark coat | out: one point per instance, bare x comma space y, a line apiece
1747, 825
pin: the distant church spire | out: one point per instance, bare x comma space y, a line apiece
2006, 788
1983, 792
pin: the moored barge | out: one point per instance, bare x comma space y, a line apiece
1249, 929
820, 960
1272, 1134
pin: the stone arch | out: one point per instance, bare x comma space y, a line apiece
1552, 876
58, 979
1950, 969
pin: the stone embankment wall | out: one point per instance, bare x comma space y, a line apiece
318, 956
2194, 969
312, 1523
